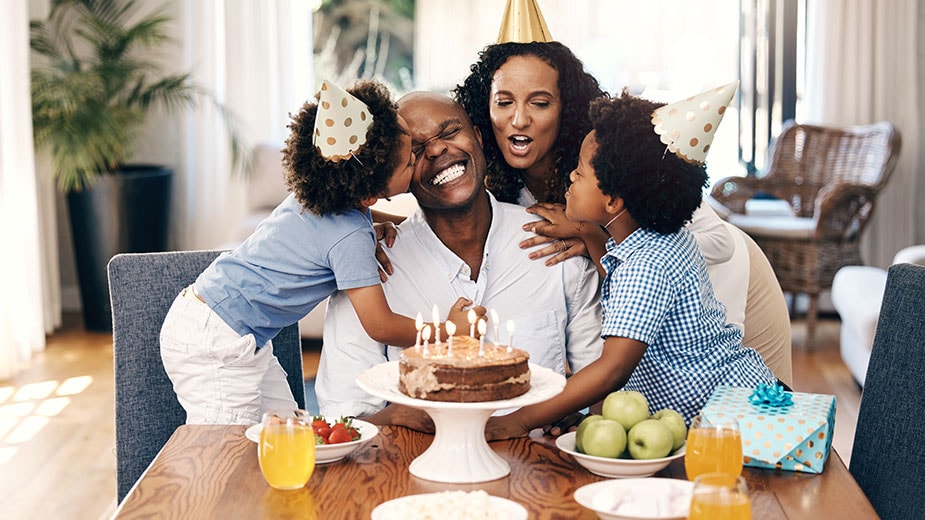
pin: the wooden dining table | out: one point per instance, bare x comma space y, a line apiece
212, 472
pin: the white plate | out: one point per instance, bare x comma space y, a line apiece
404, 507
637, 498
382, 381
325, 453
615, 468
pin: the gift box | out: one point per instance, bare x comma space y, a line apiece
776, 435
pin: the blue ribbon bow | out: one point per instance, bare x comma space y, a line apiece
771, 395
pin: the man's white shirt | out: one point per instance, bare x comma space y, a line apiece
555, 310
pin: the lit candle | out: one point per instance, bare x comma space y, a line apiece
425, 335
418, 325
436, 316
450, 330
494, 319
482, 327
472, 318
510, 335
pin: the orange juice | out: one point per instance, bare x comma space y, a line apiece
720, 506
287, 454
713, 449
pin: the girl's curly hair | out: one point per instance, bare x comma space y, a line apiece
576, 88
660, 190
325, 187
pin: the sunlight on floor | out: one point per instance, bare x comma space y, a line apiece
25, 412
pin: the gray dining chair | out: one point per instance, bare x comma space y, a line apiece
142, 287
888, 457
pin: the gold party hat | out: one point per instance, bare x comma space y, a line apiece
523, 23
340, 124
688, 126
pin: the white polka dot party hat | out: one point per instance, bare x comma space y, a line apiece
523, 22
688, 126
340, 124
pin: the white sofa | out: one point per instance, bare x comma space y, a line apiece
857, 292
266, 189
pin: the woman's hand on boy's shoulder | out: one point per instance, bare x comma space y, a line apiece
561, 235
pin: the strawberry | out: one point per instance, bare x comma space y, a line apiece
340, 435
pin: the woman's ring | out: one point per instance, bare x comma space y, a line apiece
564, 245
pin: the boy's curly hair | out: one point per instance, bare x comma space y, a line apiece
660, 190
325, 187
576, 88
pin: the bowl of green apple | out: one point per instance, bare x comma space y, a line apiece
625, 441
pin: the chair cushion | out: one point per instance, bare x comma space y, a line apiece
774, 227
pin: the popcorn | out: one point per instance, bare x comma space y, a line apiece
446, 505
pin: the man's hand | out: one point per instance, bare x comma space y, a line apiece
400, 415
386, 232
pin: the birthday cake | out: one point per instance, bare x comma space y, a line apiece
466, 375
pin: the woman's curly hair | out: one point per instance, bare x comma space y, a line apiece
660, 190
576, 88
325, 187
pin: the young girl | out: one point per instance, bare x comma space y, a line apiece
664, 332
343, 153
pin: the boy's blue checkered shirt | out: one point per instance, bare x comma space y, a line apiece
657, 291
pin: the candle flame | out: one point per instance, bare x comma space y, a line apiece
425, 334
494, 316
450, 328
419, 322
510, 326
482, 326
472, 317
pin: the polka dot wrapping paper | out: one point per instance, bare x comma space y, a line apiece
797, 437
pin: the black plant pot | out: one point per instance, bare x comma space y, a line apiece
126, 212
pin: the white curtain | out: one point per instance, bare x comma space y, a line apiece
863, 62
25, 264
256, 57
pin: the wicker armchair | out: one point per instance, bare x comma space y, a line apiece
828, 180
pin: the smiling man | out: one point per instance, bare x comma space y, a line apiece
460, 242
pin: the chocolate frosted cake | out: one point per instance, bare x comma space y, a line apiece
465, 377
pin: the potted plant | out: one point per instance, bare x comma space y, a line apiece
95, 80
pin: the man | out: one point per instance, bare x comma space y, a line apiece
460, 242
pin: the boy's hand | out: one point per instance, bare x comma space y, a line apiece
459, 315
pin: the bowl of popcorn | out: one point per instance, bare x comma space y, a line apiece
450, 505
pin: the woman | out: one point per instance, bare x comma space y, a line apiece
534, 98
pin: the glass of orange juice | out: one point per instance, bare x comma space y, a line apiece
286, 450
720, 496
713, 446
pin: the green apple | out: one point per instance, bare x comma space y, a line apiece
579, 434
675, 422
649, 439
627, 407
604, 438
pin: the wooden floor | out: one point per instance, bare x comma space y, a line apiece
57, 457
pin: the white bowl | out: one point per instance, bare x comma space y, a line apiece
429, 505
325, 453
637, 498
616, 468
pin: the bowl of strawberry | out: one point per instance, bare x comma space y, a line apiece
334, 439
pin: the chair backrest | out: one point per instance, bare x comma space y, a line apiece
142, 287
888, 457
812, 157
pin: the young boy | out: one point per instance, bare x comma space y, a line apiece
343, 153
664, 331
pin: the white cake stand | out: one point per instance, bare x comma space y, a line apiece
459, 454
